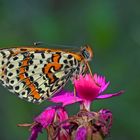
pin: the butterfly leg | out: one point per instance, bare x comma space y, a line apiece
89, 69
74, 90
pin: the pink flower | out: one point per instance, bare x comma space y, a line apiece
106, 115
81, 133
35, 130
66, 98
82, 126
88, 89
46, 117
50, 116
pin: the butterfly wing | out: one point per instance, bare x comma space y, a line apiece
35, 74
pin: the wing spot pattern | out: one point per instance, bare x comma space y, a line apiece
37, 73
24, 77
55, 64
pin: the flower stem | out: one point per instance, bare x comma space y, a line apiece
85, 105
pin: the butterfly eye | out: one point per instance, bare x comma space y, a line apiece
85, 53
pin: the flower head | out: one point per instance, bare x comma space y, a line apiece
91, 125
85, 124
88, 89
47, 119
35, 130
50, 115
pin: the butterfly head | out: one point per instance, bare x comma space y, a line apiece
87, 52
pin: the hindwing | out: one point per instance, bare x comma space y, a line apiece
35, 74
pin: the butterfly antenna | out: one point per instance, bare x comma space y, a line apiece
58, 46
38, 43
61, 46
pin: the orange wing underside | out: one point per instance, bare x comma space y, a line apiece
56, 65
51, 66
27, 80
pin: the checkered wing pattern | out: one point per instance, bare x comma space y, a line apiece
35, 74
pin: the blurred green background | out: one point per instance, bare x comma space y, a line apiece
111, 27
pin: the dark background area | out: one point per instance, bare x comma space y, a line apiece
111, 27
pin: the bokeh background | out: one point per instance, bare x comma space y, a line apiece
111, 27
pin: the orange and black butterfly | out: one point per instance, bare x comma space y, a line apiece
35, 74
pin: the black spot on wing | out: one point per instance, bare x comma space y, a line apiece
17, 87
70, 56
32, 56
10, 74
43, 55
15, 58
41, 61
17, 71
2, 62
23, 93
12, 82
30, 62
28, 90
31, 78
3, 54
67, 67
65, 61
36, 84
26, 74
71, 62
27, 68
35, 66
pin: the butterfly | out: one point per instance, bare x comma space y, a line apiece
36, 74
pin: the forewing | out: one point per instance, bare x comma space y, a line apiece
35, 74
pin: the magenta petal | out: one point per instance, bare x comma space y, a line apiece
95, 77
109, 95
46, 117
106, 114
34, 132
49, 115
103, 88
81, 133
66, 99
86, 87
62, 114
